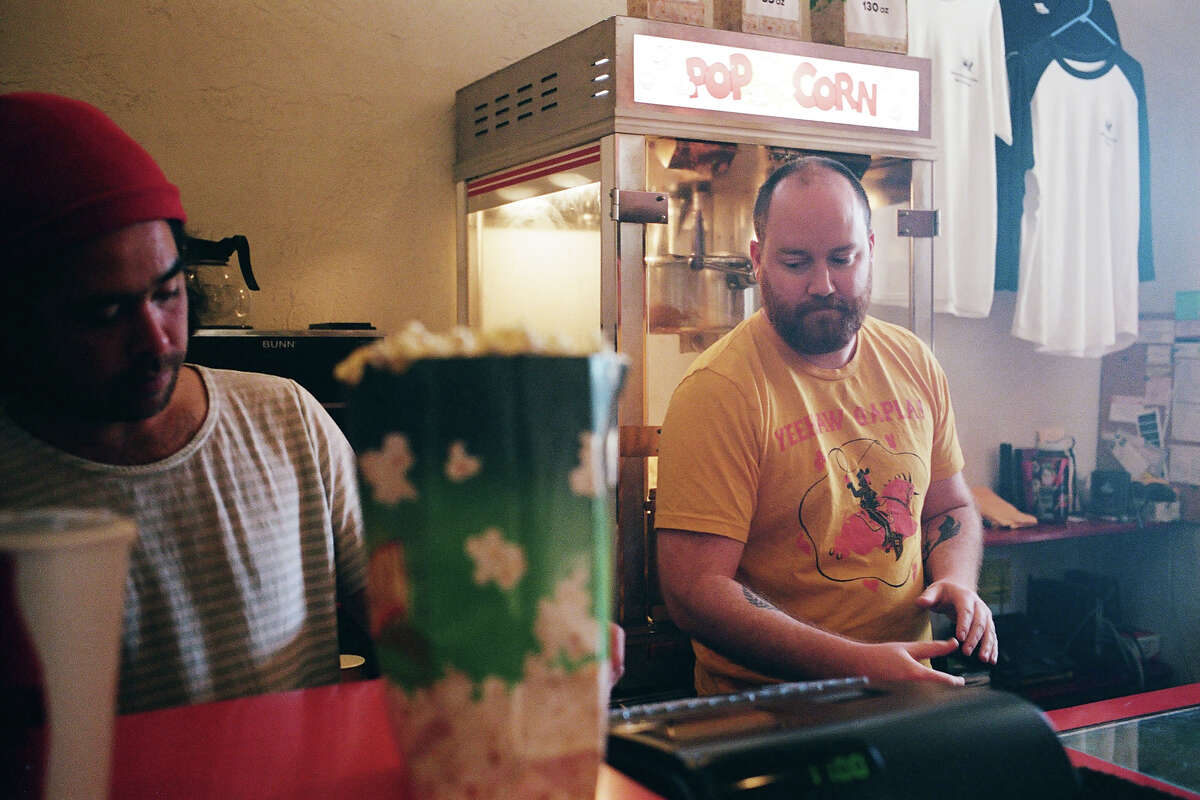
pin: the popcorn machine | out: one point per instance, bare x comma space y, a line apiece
608, 181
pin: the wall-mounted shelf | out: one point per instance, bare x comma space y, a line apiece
999, 537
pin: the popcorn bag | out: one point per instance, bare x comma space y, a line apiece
485, 499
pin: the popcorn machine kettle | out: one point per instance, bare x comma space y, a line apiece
607, 182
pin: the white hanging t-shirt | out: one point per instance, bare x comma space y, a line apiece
1084, 227
964, 40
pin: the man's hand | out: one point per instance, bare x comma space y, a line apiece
901, 661
616, 653
708, 603
973, 623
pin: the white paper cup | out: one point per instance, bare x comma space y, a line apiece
62, 589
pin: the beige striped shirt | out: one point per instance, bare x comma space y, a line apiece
247, 538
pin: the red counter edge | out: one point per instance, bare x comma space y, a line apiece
1122, 708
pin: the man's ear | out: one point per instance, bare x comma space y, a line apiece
755, 256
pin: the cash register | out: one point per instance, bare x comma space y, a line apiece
845, 738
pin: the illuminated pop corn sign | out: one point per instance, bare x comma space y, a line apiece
716, 77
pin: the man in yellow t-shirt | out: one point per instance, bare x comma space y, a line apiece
811, 508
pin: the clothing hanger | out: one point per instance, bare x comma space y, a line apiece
1086, 16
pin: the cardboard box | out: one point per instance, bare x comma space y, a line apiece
688, 12
868, 24
787, 18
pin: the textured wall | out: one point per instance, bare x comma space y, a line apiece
1161, 34
323, 131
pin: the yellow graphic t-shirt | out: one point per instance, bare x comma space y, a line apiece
821, 473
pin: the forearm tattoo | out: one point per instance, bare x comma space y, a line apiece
756, 600
947, 530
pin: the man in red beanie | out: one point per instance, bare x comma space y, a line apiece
243, 488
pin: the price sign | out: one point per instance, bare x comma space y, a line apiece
885, 18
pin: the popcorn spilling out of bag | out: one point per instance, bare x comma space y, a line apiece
415, 342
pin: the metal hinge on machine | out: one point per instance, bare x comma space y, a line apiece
918, 223
629, 205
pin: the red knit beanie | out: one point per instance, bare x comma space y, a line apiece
68, 174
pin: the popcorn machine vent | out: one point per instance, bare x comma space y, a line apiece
553, 93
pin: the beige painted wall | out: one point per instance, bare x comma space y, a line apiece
323, 132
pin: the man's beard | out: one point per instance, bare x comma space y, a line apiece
126, 402
817, 327
123, 398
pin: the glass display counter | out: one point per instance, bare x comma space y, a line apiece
1165, 747
1150, 740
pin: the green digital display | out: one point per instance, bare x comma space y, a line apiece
827, 771
848, 768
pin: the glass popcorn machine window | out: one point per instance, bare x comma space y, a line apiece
533, 239
699, 278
